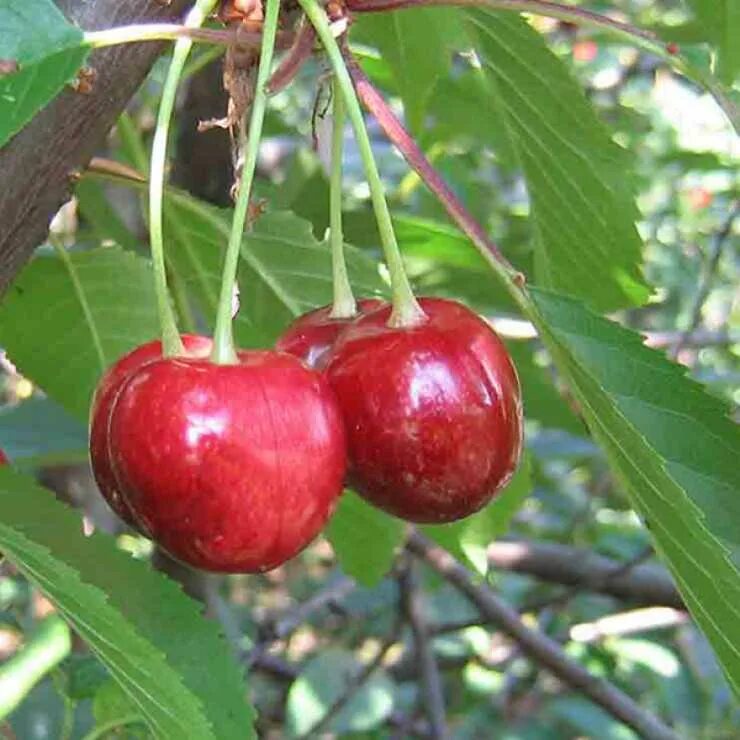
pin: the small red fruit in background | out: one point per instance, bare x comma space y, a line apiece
585, 51
700, 198
105, 394
312, 335
433, 412
3, 458
230, 468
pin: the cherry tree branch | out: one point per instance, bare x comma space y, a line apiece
585, 570
431, 683
38, 166
540, 647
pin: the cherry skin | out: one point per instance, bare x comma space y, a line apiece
105, 394
230, 468
433, 412
312, 335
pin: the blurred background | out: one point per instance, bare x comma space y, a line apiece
577, 562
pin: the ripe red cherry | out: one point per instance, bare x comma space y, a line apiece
3, 458
105, 394
312, 335
433, 412
230, 468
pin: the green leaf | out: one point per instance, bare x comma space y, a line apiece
68, 316
48, 51
542, 402
468, 538
415, 46
720, 20
673, 448
582, 207
364, 538
284, 270
174, 664
98, 212
322, 681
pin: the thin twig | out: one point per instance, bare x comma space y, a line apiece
291, 64
710, 270
355, 683
540, 647
416, 159
141, 32
432, 693
284, 626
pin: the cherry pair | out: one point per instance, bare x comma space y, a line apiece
230, 468
432, 411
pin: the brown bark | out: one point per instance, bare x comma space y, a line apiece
38, 166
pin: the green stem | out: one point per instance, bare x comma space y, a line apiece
48, 646
223, 337
171, 342
406, 310
344, 306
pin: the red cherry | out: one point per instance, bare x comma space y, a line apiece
3, 458
433, 412
312, 335
231, 468
105, 394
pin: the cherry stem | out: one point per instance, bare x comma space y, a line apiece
224, 352
409, 149
406, 310
171, 342
344, 306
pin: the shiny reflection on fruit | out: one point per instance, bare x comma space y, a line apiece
433, 412
230, 468
107, 389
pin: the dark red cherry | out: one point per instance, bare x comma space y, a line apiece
105, 393
433, 412
3, 458
230, 468
312, 335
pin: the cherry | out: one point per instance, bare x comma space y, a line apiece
230, 468
433, 412
312, 335
3, 458
105, 394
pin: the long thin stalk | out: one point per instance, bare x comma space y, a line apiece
344, 305
223, 338
171, 342
406, 310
